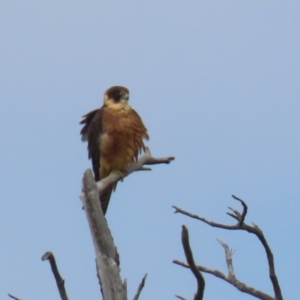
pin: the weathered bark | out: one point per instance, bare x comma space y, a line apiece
107, 257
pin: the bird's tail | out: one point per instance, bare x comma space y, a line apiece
105, 197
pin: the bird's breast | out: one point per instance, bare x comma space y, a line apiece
122, 137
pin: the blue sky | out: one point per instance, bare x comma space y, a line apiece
217, 85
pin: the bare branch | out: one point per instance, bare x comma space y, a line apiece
162, 160
194, 216
236, 213
241, 225
232, 215
228, 256
216, 273
245, 209
145, 159
236, 283
141, 285
13, 297
59, 281
107, 257
179, 297
190, 259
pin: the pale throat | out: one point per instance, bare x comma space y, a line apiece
117, 106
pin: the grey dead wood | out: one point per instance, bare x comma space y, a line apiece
230, 278
107, 257
60, 282
228, 256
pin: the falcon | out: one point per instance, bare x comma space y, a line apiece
115, 134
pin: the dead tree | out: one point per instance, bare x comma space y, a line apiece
230, 277
107, 257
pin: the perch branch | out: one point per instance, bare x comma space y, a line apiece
254, 229
145, 159
190, 259
141, 285
107, 257
59, 281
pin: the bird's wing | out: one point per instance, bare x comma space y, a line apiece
91, 132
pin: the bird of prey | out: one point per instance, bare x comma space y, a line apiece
115, 134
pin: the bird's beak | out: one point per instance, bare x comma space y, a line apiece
125, 97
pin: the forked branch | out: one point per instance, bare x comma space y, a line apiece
240, 225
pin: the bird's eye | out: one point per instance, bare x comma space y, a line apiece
117, 95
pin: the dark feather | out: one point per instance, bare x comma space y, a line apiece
86, 121
91, 132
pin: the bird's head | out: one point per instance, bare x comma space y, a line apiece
115, 95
